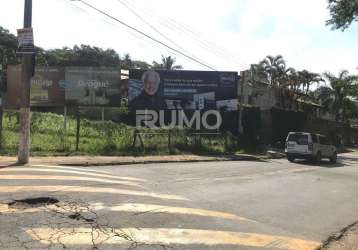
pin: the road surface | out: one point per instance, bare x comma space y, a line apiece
213, 205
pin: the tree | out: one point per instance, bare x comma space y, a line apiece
8, 47
343, 13
341, 96
308, 78
167, 63
274, 67
83, 55
128, 63
290, 78
141, 65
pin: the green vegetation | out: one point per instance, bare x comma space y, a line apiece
82, 55
343, 13
167, 63
106, 138
341, 96
275, 70
338, 95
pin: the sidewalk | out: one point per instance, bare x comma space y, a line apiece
347, 239
126, 160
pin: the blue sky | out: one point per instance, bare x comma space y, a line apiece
227, 34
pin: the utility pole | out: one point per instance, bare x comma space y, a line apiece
26, 74
241, 101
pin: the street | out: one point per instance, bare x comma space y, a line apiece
269, 204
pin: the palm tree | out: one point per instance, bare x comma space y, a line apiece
341, 96
274, 68
308, 78
167, 63
289, 79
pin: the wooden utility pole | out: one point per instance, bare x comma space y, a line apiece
26, 74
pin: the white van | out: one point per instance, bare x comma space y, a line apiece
309, 146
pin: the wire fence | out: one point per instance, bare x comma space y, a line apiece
50, 136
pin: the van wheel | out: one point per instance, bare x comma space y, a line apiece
333, 158
318, 158
290, 159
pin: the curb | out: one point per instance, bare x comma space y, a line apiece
121, 163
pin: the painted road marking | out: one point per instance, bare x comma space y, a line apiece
167, 236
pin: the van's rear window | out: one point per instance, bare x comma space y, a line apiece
299, 139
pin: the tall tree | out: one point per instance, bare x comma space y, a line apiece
137, 64
167, 63
343, 13
340, 97
308, 78
274, 67
8, 47
128, 63
83, 55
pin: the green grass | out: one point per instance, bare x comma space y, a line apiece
104, 138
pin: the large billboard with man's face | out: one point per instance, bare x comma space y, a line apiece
183, 90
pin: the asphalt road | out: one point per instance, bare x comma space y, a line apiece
217, 205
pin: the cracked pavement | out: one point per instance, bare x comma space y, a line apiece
211, 205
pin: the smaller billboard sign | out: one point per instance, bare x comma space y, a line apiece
45, 87
92, 86
25, 39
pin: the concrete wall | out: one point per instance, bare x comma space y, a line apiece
274, 129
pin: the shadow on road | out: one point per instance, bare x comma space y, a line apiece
323, 163
10, 165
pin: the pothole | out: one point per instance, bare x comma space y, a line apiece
78, 216
33, 202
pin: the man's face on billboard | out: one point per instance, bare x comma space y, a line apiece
151, 84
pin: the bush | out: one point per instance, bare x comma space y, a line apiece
48, 137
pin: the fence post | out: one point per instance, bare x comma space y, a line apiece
78, 128
134, 138
169, 141
64, 126
1, 126
226, 140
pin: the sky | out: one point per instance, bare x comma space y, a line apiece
227, 35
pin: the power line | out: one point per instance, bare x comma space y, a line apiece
146, 35
131, 9
154, 46
188, 31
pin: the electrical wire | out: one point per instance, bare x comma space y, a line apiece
131, 9
130, 32
182, 28
146, 35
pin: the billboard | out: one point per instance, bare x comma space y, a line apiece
183, 90
46, 90
93, 86
59, 86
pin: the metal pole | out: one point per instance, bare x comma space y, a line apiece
24, 138
102, 114
1, 125
241, 100
64, 126
78, 118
